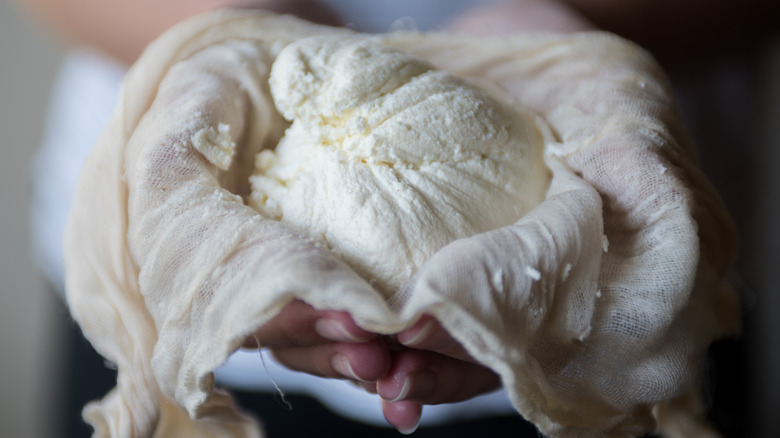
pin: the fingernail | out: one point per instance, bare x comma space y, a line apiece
418, 385
421, 335
335, 331
401, 395
410, 430
341, 364
404, 390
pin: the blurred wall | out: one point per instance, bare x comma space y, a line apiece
29, 352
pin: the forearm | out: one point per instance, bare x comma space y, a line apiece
123, 28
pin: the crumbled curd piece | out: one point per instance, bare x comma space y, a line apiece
216, 145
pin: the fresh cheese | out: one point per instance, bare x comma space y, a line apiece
387, 159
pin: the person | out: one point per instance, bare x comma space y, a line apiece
322, 343
106, 39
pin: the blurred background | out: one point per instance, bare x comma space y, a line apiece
732, 108
30, 317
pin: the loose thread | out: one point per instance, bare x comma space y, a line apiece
268, 373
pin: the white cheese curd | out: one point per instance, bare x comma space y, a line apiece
387, 159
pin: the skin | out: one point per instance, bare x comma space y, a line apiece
424, 364
122, 29
430, 363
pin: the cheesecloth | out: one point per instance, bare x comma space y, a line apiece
595, 308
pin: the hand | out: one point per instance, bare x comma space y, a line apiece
430, 367
324, 343
433, 368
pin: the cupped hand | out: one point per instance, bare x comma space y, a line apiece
423, 365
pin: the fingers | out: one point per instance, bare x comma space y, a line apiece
404, 415
419, 377
329, 344
428, 334
300, 325
431, 378
361, 362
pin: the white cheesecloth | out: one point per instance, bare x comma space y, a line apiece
82, 101
595, 308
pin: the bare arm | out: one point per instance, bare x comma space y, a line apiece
122, 28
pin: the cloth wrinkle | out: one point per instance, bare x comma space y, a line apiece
168, 277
